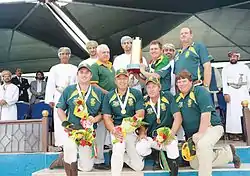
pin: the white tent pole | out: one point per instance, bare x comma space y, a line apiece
70, 23
65, 26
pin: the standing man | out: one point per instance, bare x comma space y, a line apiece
159, 66
202, 123
9, 94
161, 110
123, 60
91, 47
103, 75
194, 58
60, 76
236, 84
92, 98
22, 84
169, 50
37, 88
118, 104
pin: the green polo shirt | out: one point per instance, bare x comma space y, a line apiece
163, 68
168, 107
192, 106
70, 95
112, 106
103, 76
192, 60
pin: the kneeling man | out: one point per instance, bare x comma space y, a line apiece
118, 104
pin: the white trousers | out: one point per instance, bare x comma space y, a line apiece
171, 149
59, 133
85, 162
101, 133
125, 152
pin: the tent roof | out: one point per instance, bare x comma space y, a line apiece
31, 34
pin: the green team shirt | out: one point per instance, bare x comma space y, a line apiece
192, 106
112, 106
168, 107
192, 60
163, 68
70, 95
103, 76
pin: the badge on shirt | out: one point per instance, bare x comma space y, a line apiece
130, 102
163, 107
115, 103
92, 102
150, 111
180, 105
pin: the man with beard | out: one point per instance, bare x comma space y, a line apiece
60, 76
194, 58
169, 50
123, 60
91, 47
236, 84
37, 88
9, 94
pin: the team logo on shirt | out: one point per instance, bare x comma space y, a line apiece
150, 111
115, 103
92, 102
180, 105
130, 102
189, 103
163, 107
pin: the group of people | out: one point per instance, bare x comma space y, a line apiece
171, 90
175, 85
15, 89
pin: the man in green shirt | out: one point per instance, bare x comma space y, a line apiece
103, 78
77, 101
203, 124
161, 110
159, 66
118, 104
194, 58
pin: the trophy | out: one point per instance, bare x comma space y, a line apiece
136, 56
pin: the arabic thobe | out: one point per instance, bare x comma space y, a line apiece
9, 93
60, 76
236, 83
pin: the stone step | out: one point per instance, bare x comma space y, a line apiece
228, 170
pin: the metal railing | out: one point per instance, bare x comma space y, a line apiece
24, 135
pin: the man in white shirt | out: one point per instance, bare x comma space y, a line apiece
91, 47
123, 60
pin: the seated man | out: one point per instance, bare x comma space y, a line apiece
79, 100
118, 104
161, 110
203, 124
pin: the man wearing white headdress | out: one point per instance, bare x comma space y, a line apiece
123, 60
60, 76
92, 50
9, 94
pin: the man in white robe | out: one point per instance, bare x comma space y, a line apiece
236, 84
123, 60
60, 76
91, 47
9, 94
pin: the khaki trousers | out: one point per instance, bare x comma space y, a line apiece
131, 157
85, 162
206, 157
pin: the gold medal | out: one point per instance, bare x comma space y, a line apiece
123, 111
158, 120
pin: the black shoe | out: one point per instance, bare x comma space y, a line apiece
107, 147
236, 158
101, 166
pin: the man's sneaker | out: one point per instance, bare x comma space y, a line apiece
236, 158
101, 166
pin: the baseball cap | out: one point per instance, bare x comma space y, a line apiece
84, 65
153, 80
121, 71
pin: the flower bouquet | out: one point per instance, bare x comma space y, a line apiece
163, 136
129, 125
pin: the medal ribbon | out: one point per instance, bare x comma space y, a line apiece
85, 97
124, 104
158, 112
